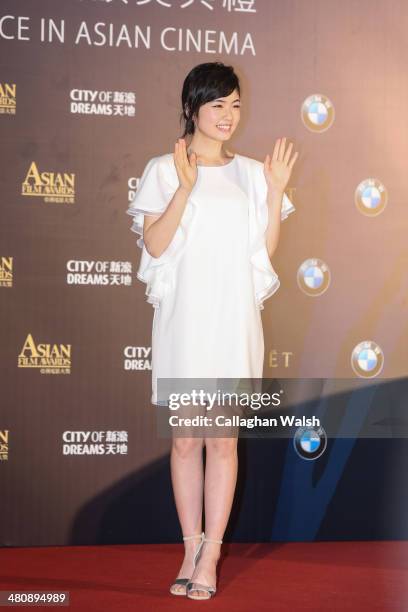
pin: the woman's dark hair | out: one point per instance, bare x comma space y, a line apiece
204, 83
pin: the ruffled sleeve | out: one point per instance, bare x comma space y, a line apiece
265, 279
152, 197
156, 188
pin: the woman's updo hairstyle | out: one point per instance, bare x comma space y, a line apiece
204, 83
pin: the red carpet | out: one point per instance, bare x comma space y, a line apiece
315, 577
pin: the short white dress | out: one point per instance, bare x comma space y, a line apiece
209, 285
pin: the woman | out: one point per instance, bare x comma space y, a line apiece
210, 222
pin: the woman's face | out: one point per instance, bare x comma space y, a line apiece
219, 118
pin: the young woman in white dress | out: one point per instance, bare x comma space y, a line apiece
210, 223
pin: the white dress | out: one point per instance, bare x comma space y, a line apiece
208, 287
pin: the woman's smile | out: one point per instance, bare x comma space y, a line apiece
224, 127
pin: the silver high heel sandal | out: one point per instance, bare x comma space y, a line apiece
197, 586
184, 581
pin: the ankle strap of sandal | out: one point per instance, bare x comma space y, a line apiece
196, 535
210, 540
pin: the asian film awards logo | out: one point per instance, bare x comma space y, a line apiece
48, 358
53, 186
8, 98
6, 271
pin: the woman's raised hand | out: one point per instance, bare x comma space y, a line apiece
186, 166
278, 168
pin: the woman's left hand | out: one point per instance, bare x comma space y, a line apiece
278, 168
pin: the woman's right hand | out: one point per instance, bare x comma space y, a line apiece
186, 166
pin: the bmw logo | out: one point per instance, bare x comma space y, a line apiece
367, 359
317, 113
313, 277
310, 443
370, 197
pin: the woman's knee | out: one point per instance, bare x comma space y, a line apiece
223, 447
184, 447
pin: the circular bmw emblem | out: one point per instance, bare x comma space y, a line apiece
313, 277
367, 359
317, 113
370, 197
310, 443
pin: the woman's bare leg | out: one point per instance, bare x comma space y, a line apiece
220, 481
187, 475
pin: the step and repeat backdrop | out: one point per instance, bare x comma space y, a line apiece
90, 91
